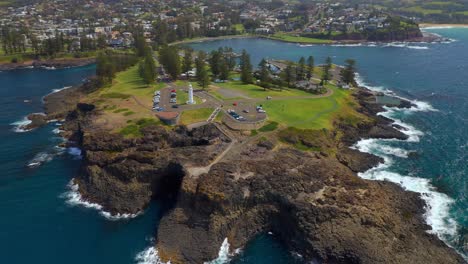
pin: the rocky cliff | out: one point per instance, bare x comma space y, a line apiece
313, 201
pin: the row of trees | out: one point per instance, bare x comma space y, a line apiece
108, 63
147, 67
14, 41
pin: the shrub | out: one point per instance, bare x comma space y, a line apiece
269, 127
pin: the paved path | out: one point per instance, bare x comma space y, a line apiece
197, 171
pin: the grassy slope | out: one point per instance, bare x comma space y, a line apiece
255, 91
194, 116
315, 113
295, 39
128, 99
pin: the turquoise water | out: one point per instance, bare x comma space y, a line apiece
39, 226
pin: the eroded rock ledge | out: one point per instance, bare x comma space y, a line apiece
313, 201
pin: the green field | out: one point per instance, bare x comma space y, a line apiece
196, 115
297, 39
129, 82
239, 28
313, 113
421, 10
255, 91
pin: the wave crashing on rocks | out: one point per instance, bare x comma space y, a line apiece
437, 213
74, 198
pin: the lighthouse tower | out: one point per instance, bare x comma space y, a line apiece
190, 95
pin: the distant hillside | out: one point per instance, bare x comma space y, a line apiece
451, 11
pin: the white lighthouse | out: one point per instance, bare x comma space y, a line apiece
190, 95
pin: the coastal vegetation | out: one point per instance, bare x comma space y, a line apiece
196, 115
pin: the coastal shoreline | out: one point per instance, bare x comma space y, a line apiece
431, 25
58, 63
428, 37
370, 161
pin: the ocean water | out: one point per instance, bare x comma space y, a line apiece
44, 221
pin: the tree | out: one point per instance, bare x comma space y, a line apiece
326, 69
223, 69
301, 69
147, 67
202, 76
140, 43
310, 66
264, 73
187, 63
101, 42
169, 58
214, 60
246, 68
349, 71
289, 74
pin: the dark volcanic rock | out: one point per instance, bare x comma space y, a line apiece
37, 120
317, 206
313, 201
357, 161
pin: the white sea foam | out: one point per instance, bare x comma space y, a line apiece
223, 254
74, 198
405, 45
75, 152
40, 159
149, 256
438, 204
60, 89
19, 126
372, 145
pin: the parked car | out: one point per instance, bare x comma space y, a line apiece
173, 101
175, 106
245, 111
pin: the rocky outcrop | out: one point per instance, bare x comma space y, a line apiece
313, 201
51, 63
314, 204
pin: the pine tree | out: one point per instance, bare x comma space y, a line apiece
326, 69
169, 58
246, 68
202, 76
301, 69
223, 69
215, 62
289, 74
187, 64
349, 71
264, 73
310, 66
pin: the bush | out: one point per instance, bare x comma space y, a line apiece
269, 127
14, 60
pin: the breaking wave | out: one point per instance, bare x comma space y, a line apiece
437, 204
19, 126
385, 45
223, 255
74, 198
149, 256
60, 89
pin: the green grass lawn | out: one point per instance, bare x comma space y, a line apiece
196, 115
295, 39
239, 28
129, 82
421, 10
313, 113
255, 91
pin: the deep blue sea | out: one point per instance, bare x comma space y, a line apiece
41, 224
